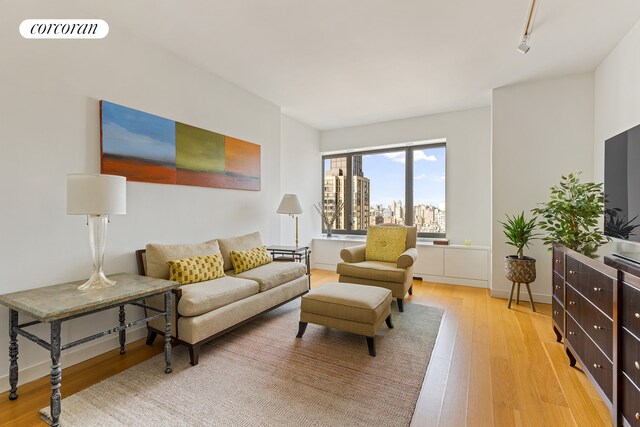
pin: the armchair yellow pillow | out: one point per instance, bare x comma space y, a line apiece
197, 269
385, 243
250, 258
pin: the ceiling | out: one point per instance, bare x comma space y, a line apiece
337, 63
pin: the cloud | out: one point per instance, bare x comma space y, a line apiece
421, 176
419, 155
430, 177
396, 157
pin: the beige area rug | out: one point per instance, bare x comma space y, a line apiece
261, 375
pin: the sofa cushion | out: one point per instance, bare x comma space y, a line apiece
374, 270
197, 269
274, 274
203, 297
385, 243
240, 243
251, 258
157, 255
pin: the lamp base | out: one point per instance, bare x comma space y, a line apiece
97, 281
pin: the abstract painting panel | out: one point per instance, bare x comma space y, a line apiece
148, 148
137, 145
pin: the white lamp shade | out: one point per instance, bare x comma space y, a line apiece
290, 205
96, 194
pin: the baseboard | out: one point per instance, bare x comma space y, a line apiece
426, 278
71, 358
542, 298
453, 281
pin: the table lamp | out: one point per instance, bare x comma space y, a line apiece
96, 196
291, 205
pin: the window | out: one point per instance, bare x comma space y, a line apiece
393, 186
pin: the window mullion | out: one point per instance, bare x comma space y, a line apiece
408, 186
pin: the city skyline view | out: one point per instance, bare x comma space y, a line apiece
378, 189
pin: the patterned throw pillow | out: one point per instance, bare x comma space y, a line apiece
251, 258
197, 269
385, 243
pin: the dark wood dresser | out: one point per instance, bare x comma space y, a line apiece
596, 311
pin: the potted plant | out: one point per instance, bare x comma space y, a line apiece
519, 232
571, 216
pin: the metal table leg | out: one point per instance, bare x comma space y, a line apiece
56, 374
123, 333
167, 332
13, 354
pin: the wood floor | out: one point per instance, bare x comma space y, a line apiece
490, 366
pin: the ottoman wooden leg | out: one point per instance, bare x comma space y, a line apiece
388, 320
302, 326
372, 346
400, 306
411, 290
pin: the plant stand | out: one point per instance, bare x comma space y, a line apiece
513, 285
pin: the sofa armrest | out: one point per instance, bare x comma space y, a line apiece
353, 254
407, 258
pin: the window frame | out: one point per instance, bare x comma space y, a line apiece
408, 184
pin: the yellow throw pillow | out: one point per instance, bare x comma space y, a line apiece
385, 243
251, 258
197, 269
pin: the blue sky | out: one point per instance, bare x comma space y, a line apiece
386, 173
129, 132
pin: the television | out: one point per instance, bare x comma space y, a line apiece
622, 185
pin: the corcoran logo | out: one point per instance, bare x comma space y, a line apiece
64, 29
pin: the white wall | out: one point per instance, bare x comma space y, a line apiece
301, 175
541, 130
50, 127
617, 94
468, 135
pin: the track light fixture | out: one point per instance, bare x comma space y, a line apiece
524, 42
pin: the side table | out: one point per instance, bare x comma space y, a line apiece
57, 303
291, 253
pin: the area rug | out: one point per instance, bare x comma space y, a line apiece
261, 375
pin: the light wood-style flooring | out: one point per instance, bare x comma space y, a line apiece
490, 366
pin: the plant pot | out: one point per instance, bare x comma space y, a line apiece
520, 270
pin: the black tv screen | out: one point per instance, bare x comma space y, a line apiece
622, 185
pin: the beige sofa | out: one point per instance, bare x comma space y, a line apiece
203, 311
395, 276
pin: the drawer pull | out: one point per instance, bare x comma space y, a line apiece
557, 261
637, 416
556, 313
597, 289
595, 365
571, 333
557, 286
596, 327
572, 303
637, 315
637, 365
572, 272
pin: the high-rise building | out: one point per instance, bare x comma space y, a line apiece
335, 189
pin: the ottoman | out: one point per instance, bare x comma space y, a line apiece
359, 309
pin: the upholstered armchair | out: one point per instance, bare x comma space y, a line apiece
394, 273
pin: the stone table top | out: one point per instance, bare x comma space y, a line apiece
65, 300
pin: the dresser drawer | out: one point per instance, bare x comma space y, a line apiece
558, 287
630, 401
630, 350
575, 335
598, 326
595, 286
630, 308
558, 313
558, 261
592, 359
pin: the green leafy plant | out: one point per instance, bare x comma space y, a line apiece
519, 232
571, 216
